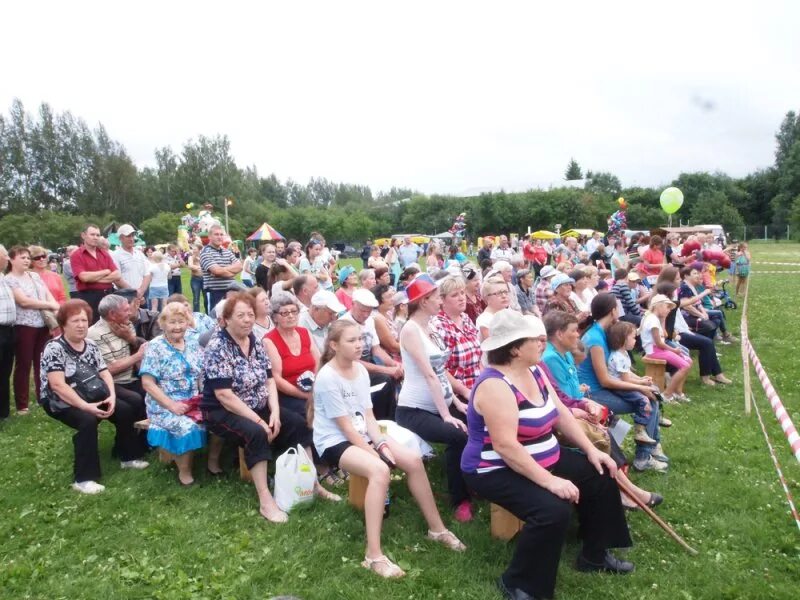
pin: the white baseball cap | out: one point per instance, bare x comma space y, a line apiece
327, 299
126, 230
365, 297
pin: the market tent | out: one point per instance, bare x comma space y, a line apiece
576, 233
445, 235
264, 233
113, 241
543, 234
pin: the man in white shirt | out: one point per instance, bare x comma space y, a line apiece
325, 308
131, 262
592, 242
503, 251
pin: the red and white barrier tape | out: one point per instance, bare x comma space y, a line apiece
777, 406
772, 272
775, 462
785, 264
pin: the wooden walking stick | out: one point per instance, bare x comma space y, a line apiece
630, 494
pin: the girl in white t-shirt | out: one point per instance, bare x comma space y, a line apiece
652, 331
347, 435
159, 284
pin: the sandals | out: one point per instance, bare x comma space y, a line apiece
325, 494
448, 539
278, 517
383, 566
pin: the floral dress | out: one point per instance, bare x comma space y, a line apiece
179, 375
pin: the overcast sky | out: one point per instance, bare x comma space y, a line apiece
440, 97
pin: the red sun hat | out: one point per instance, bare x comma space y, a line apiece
420, 287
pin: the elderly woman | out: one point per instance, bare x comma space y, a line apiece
348, 282
580, 283
202, 322
460, 336
172, 373
51, 278
293, 356
526, 296
367, 279
506, 271
496, 294
240, 401
30, 330
472, 283
264, 323
513, 459
562, 286
382, 276
375, 260
60, 361
426, 404
385, 325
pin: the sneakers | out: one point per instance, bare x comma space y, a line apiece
658, 454
650, 464
134, 464
640, 435
463, 512
671, 399
664, 422
682, 398
610, 564
730, 338
88, 487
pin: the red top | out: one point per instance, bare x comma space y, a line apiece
344, 298
294, 365
81, 261
652, 257
55, 285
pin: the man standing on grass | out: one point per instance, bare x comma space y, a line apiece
131, 262
94, 270
219, 266
408, 252
8, 315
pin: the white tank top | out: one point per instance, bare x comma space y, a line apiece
415, 392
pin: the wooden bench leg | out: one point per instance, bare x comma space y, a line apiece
244, 472
656, 369
357, 491
164, 456
504, 525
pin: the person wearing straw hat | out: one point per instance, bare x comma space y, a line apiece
513, 459
426, 404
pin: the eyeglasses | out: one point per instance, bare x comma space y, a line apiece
288, 313
40, 257
499, 293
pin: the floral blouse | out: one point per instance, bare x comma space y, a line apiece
178, 374
226, 367
33, 287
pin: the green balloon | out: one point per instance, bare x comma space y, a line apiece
671, 200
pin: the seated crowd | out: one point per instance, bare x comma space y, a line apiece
519, 367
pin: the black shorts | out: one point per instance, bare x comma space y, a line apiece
332, 455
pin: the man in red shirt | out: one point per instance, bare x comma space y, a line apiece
94, 270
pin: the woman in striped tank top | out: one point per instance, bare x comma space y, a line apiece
513, 459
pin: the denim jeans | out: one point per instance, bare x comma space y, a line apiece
197, 293
622, 402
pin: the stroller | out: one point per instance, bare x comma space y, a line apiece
724, 297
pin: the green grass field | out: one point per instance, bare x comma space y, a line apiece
146, 537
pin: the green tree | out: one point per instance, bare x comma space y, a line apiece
573, 171
161, 229
787, 137
714, 207
602, 183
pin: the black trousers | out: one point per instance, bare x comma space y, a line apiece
6, 364
705, 327
132, 393
431, 428
87, 457
251, 436
709, 363
92, 298
384, 401
534, 565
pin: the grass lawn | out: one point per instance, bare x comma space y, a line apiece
146, 537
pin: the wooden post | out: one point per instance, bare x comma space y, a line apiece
244, 472
504, 525
745, 341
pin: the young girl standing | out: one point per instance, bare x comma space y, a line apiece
742, 267
347, 435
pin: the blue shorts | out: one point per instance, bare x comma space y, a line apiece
158, 293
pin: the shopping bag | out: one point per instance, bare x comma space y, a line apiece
294, 478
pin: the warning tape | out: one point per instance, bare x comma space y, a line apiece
772, 272
775, 462
785, 264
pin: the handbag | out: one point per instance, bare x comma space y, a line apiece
294, 479
86, 380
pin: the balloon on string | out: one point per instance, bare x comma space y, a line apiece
671, 200
189, 205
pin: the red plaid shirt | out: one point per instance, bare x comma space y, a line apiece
542, 291
465, 351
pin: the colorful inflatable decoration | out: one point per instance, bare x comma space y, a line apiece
618, 221
671, 200
459, 228
195, 228
717, 258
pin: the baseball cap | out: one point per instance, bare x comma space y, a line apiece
327, 299
126, 230
365, 297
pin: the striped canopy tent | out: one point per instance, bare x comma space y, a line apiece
265, 233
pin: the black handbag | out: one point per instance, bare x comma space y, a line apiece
86, 380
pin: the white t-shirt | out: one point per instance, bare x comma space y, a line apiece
335, 396
248, 265
579, 301
369, 336
649, 322
483, 320
160, 272
133, 266
619, 362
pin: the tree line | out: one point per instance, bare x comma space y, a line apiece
56, 173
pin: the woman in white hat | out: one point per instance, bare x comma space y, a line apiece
513, 459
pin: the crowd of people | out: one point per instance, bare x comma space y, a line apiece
518, 366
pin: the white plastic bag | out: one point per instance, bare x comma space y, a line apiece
407, 438
294, 478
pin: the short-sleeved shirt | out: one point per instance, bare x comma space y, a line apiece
594, 336
649, 322
160, 272
56, 358
8, 307
112, 348
132, 266
221, 257
369, 336
408, 255
334, 397
318, 266
178, 374
464, 363
318, 333
81, 260
226, 367
33, 287
619, 362
562, 368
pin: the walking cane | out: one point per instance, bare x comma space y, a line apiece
630, 494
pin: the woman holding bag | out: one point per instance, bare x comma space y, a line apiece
347, 435
30, 329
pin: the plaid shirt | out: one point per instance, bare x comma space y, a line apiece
8, 306
542, 293
465, 351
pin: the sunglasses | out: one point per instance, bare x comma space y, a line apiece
40, 257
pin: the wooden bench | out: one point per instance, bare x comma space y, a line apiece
504, 525
656, 369
357, 490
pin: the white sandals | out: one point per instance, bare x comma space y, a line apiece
382, 566
448, 539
